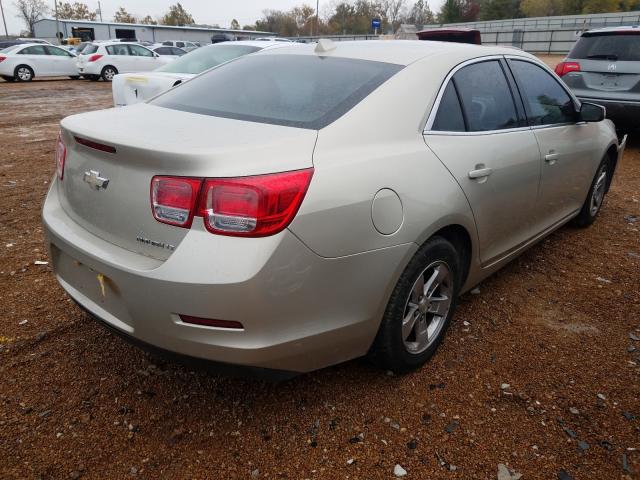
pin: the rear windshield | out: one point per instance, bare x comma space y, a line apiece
200, 60
90, 49
304, 91
623, 46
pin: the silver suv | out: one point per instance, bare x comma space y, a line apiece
604, 67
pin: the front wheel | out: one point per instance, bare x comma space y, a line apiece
108, 73
420, 308
595, 198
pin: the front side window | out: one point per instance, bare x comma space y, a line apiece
138, 51
58, 51
486, 97
34, 50
546, 102
304, 91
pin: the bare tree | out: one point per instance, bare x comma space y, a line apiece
31, 11
394, 10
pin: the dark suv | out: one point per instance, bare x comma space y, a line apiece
604, 67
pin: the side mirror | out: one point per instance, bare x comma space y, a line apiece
590, 112
155, 55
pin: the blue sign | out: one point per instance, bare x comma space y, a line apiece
375, 23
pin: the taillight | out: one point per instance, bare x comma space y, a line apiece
61, 156
173, 199
2, 58
565, 67
253, 206
94, 58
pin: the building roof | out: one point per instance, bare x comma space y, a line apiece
186, 27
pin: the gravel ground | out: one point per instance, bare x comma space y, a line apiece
537, 373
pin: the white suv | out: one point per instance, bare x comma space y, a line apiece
108, 59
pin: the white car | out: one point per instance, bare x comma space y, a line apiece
170, 52
26, 61
186, 46
106, 60
135, 88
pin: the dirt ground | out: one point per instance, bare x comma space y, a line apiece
560, 326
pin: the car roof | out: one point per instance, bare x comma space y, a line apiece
400, 52
627, 28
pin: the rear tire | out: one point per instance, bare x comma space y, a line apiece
420, 308
595, 197
108, 73
23, 73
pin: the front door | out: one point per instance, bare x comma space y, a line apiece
567, 146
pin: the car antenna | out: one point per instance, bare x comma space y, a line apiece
324, 45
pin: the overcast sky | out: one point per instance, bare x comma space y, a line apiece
203, 11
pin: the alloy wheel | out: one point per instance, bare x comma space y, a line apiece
427, 307
24, 74
598, 192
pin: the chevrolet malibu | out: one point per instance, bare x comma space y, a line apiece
303, 206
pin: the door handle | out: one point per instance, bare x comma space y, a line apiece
480, 173
551, 158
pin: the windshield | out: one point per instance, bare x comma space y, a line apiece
304, 91
205, 58
623, 46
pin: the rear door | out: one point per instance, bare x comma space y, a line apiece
36, 56
479, 133
609, 65
120, 58
567, 146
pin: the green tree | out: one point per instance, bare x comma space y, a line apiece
450, 12
499, 9
148, 20
30, 11
122, 16
75, 11
177, 16
601, 6
235, 25
420, 14
541, 8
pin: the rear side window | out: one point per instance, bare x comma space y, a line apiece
180, 44
90, 49
304, 91
623, 46
34, 50
117, 50
485, 97
449, 117
546, 102
163, 51
138, 51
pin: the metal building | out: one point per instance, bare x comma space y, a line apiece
89, 30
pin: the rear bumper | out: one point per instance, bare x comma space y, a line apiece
300, 312
621, 112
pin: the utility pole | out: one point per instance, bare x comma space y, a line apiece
6, 32
100, 11
55, 2
318, 16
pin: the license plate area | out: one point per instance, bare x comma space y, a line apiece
92, 286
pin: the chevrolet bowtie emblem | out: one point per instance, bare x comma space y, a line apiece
93, 178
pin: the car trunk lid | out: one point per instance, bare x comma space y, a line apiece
112, 155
